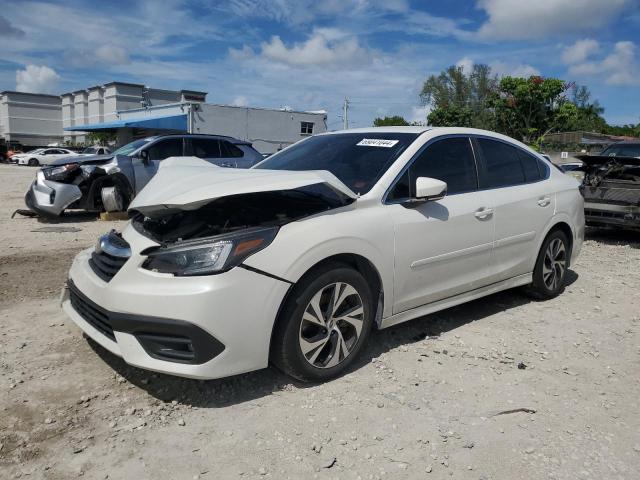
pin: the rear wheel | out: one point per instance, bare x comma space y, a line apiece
550, 272
324, 324
33, 162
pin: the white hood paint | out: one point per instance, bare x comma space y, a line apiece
190, 181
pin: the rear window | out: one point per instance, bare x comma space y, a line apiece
501, 162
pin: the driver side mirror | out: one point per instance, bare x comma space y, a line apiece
429, 189
144, 156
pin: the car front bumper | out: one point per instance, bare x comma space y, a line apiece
50, 198
230, 315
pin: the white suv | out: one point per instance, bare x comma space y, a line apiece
294, 261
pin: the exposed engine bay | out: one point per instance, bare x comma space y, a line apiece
168, 225
611, 189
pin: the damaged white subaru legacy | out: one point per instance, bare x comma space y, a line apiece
293, 262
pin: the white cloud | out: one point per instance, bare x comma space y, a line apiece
419, 114
512, 69
501, 68
619, 67
580, 50
317, 50
36, 79
112, 55
466, 63
525, 19
240, 101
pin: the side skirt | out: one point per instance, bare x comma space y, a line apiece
423, 310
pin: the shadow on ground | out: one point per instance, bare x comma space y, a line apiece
255, 385
613, 236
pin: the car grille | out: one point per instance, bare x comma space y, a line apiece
111, 253
92, 313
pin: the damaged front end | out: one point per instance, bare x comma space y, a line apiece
611, 190
91, 186
220, 234
207, 220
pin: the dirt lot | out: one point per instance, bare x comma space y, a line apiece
501, 388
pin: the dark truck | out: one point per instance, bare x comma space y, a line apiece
611, 186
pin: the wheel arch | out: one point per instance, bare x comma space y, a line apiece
356, 261
564, 227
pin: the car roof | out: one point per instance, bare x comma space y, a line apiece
233, 140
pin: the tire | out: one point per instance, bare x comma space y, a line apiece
550, 272
112, 200
33, 162
325, 356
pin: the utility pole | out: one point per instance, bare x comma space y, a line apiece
345, 113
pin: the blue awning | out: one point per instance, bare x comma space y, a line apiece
169, 122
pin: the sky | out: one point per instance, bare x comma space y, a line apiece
311, 55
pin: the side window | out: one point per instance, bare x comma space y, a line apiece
171, 147
402, 188
502, 167
450, 160
206, 148
530, 166
229, 150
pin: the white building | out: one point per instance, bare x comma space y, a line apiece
30, 118
133, 111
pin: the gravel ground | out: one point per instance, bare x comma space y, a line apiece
500, 388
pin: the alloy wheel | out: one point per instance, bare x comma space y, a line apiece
555, 264
331, 325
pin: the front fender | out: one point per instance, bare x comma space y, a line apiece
301, 245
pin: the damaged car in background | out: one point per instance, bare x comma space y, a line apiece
294, 261
611, 186
110, 182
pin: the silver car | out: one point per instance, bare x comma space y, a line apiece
110, 182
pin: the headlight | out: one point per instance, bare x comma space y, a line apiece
206, 257
59, 174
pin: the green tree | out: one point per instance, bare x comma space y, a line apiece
460, 99
453, 116
529, 108
395, 120
101, 138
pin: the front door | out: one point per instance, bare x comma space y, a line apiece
158, 151
442, 248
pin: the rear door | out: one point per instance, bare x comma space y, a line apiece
157, 151
443, 247
522, 200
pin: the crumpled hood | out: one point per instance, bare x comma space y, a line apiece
82, 159
189, 182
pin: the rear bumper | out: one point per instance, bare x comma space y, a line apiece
605, 214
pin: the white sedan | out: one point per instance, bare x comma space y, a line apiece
42, 156
293, 262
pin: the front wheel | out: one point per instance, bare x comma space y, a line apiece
324, 324
33, 162
550, 272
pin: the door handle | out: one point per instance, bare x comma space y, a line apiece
484, 213
544, 201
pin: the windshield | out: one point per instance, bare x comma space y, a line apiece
129, 148
90, 150
357, 159
622, 150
